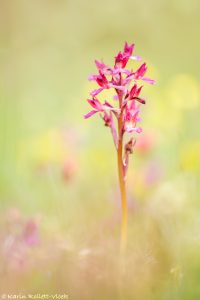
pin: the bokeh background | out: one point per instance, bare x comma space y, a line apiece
59, 199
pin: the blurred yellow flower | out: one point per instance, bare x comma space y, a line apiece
44, 148
190, 159
183, 91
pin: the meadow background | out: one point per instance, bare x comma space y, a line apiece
59, 199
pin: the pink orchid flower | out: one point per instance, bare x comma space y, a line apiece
124, 83
123, 57
99, 107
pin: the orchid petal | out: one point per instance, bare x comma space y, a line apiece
128, 50
100, 65
148, 80
136, 57
138, 91
131, 129
96, 92
96, 104
92, 77
133, 91
141, 100
141, 71
108, 104
91, 113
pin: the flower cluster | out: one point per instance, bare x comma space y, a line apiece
125, 84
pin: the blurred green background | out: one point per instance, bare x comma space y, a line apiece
60, 209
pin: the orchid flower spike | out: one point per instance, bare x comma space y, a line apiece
123, 116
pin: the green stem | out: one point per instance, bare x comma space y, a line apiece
122, 185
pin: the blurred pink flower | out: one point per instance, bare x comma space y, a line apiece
20, 236
145, 143
31, 234
69, 169
153, 172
